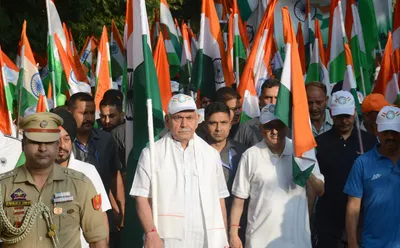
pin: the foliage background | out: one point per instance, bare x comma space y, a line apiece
85, 17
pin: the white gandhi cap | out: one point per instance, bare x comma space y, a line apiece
267, 114
388, 119
181, 102
342, 103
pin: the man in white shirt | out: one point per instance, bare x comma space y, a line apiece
278, 211
190, 185
65, 158
10, 151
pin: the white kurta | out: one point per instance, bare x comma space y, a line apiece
10, 151
183, 169
90, 171
278, 211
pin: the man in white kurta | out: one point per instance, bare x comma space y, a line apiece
190, 185
278, 211
10, 151
66, 158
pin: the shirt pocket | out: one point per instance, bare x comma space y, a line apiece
69, 220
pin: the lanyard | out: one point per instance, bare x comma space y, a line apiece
85, 149
228, 166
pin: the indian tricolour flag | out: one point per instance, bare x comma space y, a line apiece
143, 78
387, 82
30, 83
349, 82
87, 59
237, 51
308, 33
103, 69
317, 71
251, 79
356, 40
292, 107
11, 72
117, 54
74, 84
6, 100
55, 27
171, 37
335, 51
161, 64
186, 60
210, 70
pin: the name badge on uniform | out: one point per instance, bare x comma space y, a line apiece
18, 199
19, 210
62, 197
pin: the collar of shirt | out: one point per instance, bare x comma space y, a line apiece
336, 134
325, 126
379, 156
23, 175
287, 151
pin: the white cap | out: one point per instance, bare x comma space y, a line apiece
181, 102
267, 114
342, 103
388, 119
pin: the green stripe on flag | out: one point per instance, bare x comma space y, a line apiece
283, 110
300, 177
245, 11
337, 68
313, 73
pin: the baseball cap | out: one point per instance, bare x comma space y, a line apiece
42, 127
388, 119
342, 103
267, 114
181, 102
374, 102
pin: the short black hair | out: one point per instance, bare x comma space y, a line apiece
111, 101
225, 94
113, 93
80, 96
216, 107
269, 83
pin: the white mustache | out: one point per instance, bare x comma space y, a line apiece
186, 129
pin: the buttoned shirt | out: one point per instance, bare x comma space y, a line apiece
69, 216
326, 126
100, 151
336, 157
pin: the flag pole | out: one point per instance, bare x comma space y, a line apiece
154, 182
358, 126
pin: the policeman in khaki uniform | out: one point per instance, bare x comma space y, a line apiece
43, 204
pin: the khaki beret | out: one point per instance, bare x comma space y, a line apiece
42, 127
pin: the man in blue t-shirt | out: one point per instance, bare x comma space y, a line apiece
375, 180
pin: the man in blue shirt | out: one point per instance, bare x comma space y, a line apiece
375, 180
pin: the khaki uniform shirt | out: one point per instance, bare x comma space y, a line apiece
79, 212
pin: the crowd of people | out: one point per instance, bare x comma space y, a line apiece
216, 181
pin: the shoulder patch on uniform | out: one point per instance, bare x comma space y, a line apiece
7, 175
75, 174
